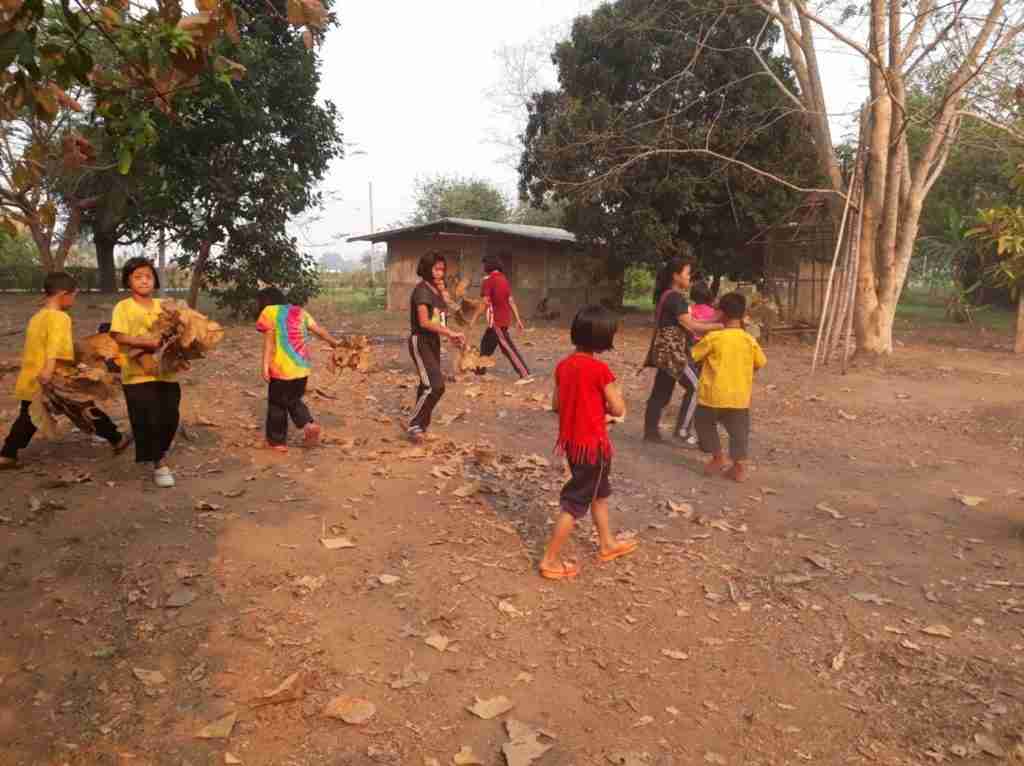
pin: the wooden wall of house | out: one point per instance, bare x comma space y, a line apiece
536, 270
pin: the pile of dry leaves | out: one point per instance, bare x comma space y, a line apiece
469, 359
461, 307
353, 352
75, 389
185, 334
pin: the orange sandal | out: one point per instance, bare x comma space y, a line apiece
622, 549
564, 573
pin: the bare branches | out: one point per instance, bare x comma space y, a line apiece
656, 152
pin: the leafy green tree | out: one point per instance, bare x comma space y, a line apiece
256, 256
634, 142
109, 63
245, 156
1002, 229
455, 196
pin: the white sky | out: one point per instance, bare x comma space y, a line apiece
410, 81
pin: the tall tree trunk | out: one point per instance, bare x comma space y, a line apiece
198, 266
161, 251
104, 242
1018, 346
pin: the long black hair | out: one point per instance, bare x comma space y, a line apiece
425, 267
672, 267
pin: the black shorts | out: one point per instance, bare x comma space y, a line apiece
589, 482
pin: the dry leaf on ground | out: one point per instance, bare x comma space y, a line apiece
524, 745
219, 729
410, 677
291, 688
970, 501
466, 757
870, 598
941, 631
467, 490
826, 508
149, 677
437, 641
351, 710
336, 543
179, 598
491, 708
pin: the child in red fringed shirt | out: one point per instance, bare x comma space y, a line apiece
586, 396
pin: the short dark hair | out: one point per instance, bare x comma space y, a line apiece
270, 296
593, 329
134, 264
700, 292
733, 305
492, 263
427, 263
59, 282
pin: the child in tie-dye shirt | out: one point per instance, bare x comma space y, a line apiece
286, 328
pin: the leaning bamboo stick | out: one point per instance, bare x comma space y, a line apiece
856, 277
839, 303
831, 276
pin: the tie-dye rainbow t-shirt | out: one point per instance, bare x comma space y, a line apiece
290, 325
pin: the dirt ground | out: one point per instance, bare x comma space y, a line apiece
841, 607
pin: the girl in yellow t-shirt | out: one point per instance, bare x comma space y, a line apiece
153, 400
48, 341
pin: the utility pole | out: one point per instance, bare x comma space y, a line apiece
373, 245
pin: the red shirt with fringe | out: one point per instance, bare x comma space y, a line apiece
582, 430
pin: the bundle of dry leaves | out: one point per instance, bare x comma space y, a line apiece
76, 388
462, 308
468, 359
185, 334
353, 352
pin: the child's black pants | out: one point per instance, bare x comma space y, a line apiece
426, 355
284, 400
23, 430
153, 409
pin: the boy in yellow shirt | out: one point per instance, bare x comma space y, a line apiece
730, 357
48, 341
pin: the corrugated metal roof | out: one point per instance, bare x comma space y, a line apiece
544, 233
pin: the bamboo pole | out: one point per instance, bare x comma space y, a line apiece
856, 277
831, 339
832, 273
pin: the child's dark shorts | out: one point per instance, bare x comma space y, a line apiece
589, 482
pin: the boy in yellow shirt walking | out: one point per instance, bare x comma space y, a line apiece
730, 357
48, 341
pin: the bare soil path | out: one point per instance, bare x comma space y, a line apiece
841, 607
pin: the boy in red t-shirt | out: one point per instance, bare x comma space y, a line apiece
586, 396
501, 308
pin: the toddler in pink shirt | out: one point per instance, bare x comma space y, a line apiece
701, 308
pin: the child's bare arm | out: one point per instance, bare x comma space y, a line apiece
423, 314
614, 401
147, 342
695, 326
554, 398
322, 334
46, 374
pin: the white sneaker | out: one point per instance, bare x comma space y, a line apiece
163, 477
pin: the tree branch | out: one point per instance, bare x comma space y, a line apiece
703, 152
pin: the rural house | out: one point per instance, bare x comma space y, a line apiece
542, 263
